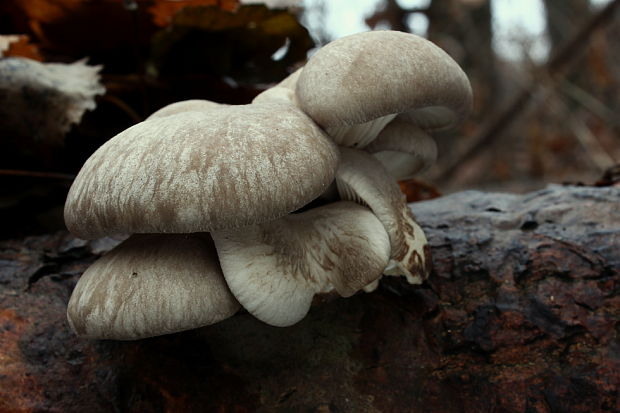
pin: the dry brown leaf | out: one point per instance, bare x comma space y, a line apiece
80, 27
18, 45
96, 28
163, 11
416, 190
611, 177
6, 41
210, 41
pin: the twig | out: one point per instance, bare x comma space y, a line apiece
594, 151
37, 174
590, 102
554, 67
133, 115
592, 147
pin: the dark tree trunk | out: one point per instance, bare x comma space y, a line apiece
564, 18
520, 315
464, 30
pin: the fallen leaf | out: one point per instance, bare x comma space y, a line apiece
18, 45
6, 41
163, 11
416, 190
611, 177
239, 45
40, 101
81, 27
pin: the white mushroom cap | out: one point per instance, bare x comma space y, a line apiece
368, 78
151, 285
198, 172
274, 269
362, 178
403, 149
282, 92
192, 105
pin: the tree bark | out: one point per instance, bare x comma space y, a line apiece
520, 315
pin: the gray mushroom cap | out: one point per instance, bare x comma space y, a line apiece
198, 172
192, 105
362, 178
367, 77
274, 269
403, 148
282, 92
151, 285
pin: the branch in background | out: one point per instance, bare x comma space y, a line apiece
592, 147
128, 110
391, 13
591, 103
554, 68
37, 174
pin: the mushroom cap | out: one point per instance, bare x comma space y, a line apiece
192, 105
362, 178
282, 92
403, 148
198, 172
274, 269
151, 285
365, 76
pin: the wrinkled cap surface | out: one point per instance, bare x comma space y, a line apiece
192, 105
149, 285
368, 75
197, 172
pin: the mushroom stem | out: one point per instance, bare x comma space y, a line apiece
362, 178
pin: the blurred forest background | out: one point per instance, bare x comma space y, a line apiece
537, 118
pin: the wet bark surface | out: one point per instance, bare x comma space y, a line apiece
521, 314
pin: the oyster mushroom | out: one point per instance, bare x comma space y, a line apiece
202, 171
282, 92
239, 172
275, 268
403, 149
363, 179
192, 105
149, 285
356, 85
185, 173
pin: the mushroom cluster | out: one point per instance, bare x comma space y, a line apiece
217, 196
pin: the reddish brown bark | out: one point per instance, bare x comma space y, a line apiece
521, 314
